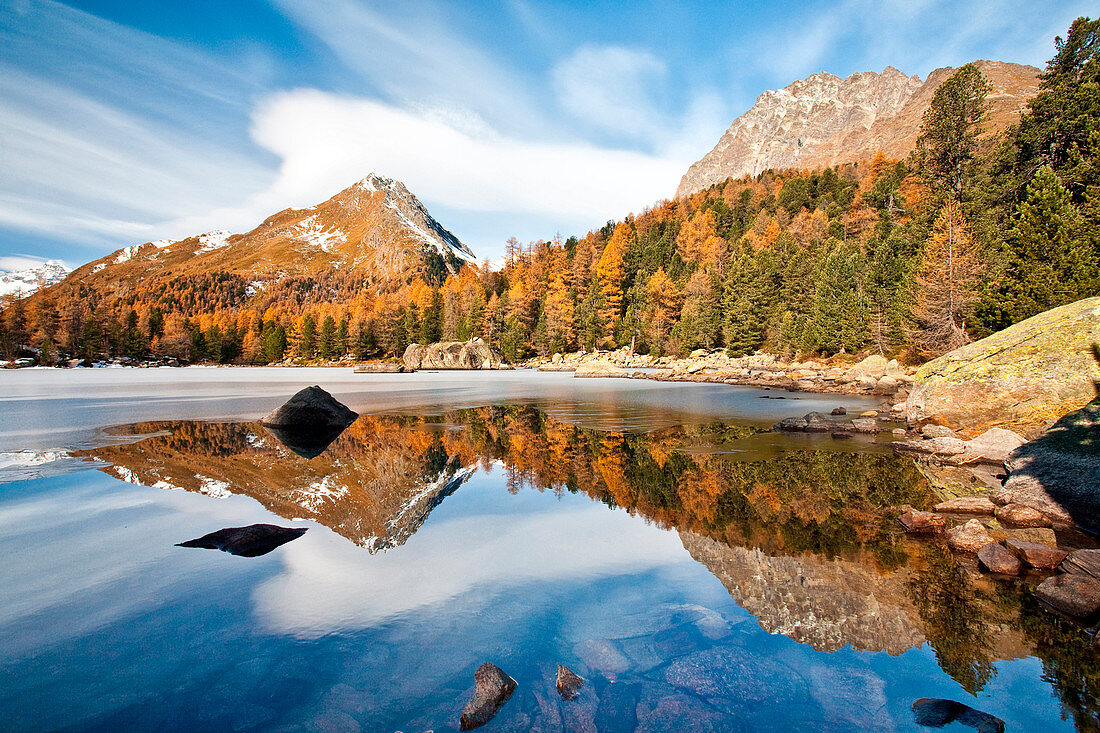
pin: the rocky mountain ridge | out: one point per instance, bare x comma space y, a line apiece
824, 120
375, 226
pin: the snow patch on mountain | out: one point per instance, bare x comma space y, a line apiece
312, 232
214, 240
21, 283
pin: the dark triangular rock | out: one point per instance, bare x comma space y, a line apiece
935, 713
311, 409
308, 443
492, 688
251, 541
569, 683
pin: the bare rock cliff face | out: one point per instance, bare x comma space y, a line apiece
824, 120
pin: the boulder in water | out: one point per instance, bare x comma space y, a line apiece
936, 713
569, 683
251, 541
492, 688
311, 409
1074, 594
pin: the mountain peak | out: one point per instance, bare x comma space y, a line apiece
376, 227
824, 120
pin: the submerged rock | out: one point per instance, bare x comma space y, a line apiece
935, 713
492, 688
311, 409
251, 541
995, 558
918, 522
967, 505
569, 683
1073, 594
969, 537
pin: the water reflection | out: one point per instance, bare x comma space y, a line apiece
800, 534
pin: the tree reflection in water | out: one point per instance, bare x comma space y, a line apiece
802, 536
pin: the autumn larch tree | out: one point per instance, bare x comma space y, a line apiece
946, 284
611, 274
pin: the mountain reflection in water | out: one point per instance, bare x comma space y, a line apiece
803, 539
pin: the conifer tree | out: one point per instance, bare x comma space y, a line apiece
1050, 261
949, 130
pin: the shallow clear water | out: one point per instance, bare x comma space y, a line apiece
699, 572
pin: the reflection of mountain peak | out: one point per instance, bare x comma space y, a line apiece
824, 603
376, 484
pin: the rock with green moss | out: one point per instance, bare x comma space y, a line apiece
1020, 378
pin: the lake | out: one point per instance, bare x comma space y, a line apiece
698, 570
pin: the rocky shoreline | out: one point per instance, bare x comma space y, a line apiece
874, 376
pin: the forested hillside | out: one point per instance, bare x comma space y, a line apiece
965, 236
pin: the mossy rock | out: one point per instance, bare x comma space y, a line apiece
1020, 378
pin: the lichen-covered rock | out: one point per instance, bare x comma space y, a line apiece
1019, 378
472, 354
1058, 473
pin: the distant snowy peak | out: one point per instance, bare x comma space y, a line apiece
21, 283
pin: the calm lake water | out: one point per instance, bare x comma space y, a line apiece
699, 571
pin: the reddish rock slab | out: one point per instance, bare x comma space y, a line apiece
969, 537
1038, 556
967, 505
917, 522
1073, 594
995, 558
1083, 562
1019, 515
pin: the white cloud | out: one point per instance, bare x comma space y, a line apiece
328, 141
327, 585
11, 263
612, 88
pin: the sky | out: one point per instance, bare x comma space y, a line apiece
127, 122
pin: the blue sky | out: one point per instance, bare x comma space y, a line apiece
125, 122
